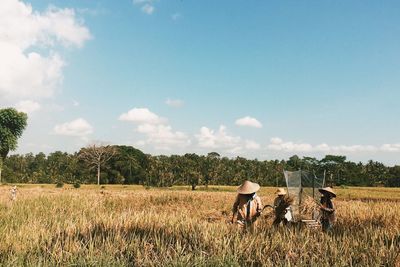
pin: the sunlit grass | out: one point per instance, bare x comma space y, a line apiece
129, 225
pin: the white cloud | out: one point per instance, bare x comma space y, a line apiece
79, 127
276, 140
221, 139
252, 145
146, 6
75, 103
323, 147
278, 144
64, 26
353, 148
28, 76
27, 106
158, 133
24, 71
142, 116
23, 27
208, 138
390, 147
248, 121
175, 103
163, 137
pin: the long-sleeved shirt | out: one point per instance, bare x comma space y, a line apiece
247, 207
328, 210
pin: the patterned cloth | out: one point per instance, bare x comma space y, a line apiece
328, 216
247, 208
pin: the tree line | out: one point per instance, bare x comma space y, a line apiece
128, 165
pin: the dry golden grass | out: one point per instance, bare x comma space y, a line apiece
131, 226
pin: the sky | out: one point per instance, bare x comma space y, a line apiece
258, 79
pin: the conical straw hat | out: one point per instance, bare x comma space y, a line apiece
329, 190
248, 188
280, 192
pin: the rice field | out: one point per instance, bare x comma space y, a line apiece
134, 226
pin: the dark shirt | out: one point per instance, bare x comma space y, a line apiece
279, 206
328, 209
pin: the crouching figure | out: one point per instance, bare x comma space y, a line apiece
282, 208
247, 207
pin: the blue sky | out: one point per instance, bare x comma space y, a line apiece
261, 79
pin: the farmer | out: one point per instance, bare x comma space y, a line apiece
280, 206
13, 193
247, 207
327, 208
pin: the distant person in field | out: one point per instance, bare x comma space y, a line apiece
328, 217
280, 207
13, 193
247, 207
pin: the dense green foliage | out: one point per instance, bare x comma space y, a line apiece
132, 166
12, 124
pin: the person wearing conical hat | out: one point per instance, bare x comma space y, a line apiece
328, 217
280, 207
247, 207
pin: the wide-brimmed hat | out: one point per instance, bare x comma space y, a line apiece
280, 192
248, 188
327, 189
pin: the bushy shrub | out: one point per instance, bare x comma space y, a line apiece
77, 185
59, 184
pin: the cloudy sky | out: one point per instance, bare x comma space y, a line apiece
260, 79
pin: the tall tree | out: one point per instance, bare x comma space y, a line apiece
210, 165
130, 163
12, 125
96, 155
334, 166
193, 170
295, 162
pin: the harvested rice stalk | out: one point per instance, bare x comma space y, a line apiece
308, 206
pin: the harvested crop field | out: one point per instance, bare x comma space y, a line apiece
134, 226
